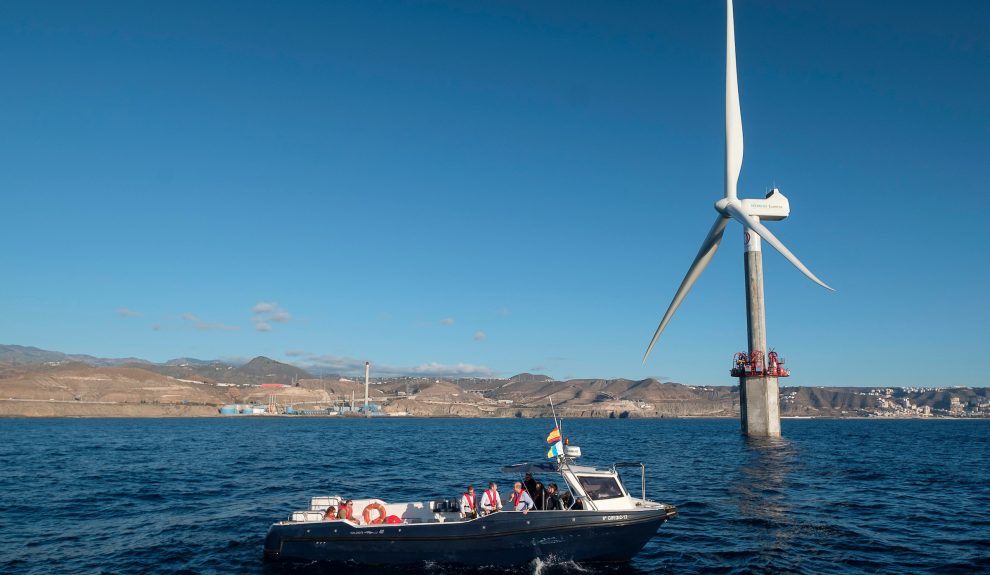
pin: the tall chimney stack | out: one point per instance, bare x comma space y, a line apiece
367, 371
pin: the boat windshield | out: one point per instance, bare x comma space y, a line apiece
598, 487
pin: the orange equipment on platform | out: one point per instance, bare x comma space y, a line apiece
752, 365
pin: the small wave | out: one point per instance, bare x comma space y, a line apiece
552, 564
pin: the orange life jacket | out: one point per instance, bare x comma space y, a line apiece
492, 498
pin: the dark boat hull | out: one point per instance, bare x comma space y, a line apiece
507, 538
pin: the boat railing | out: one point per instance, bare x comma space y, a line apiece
307, 516
321, 503
642, 471
578, 503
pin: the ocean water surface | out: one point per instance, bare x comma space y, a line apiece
127, 496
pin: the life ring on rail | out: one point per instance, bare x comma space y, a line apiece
381, 514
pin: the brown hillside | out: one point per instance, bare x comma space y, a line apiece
340, 388
77, 382
446, 391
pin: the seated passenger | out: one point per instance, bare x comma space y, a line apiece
468, 508
491, 501
539, 496
521, 501
330, 514
566, 500
346, 512
552, 501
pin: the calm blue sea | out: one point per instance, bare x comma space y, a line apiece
136, 496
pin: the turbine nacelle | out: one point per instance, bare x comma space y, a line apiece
772, 208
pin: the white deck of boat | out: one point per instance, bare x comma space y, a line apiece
422, 511
410, 512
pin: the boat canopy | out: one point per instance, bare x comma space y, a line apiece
544, 467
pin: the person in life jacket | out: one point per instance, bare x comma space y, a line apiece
346, 512
490, 501
521, 501
469, 508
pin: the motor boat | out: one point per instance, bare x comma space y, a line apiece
601, 522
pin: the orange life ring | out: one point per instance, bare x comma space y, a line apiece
381, 514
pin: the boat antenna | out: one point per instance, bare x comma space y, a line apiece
554, 412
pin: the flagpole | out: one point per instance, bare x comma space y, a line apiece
554, 412
556, 427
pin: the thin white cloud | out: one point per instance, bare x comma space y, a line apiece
458, 369
263, 307
189, 317
264, 313
447, 321
335, 363
349, 365
480, 335
503, 311
296, 353
127, 312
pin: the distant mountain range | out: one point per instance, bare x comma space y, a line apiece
30, 372
255, 372
27, 354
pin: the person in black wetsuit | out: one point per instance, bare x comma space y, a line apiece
567, 501
552, 500
530, 485
539, 495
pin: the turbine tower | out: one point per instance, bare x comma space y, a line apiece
758, 391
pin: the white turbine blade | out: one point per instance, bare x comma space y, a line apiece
705, 254
733, 116
755, 225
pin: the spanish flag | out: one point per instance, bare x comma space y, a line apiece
554, 436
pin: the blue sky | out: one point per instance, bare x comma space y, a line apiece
474, 188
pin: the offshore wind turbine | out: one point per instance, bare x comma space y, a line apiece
759, 393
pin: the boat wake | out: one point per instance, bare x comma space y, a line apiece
551, 565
